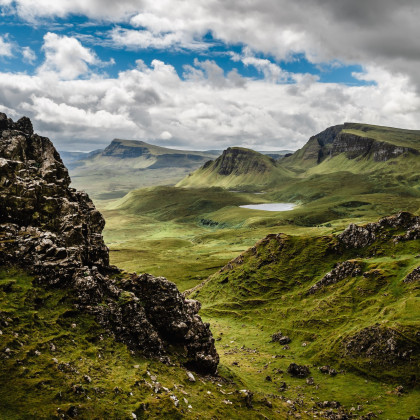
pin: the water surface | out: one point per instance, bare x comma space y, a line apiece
270, 206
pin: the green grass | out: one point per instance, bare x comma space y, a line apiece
51, 347
265, 293
188, 235
258, 300
251, 171
397, 136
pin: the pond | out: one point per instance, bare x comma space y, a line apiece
270, 206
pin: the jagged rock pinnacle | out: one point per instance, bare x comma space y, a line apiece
55, 232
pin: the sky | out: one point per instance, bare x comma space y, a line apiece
208, 74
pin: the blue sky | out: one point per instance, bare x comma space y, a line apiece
265, 75
95, 34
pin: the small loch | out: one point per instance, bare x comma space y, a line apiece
270, 206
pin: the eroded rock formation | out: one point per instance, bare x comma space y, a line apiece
339, 272
55, 232
239, 161
382, 344
360, 236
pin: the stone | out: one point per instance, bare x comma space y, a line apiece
361, 236
381, 344
280, 338
299, 371
328, 370
190, 377
57, 232
413, 276
310, 381
342, 270
329, 404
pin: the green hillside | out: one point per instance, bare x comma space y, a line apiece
57, 362
128, 164
354, 308
188, 233
179, 204
237, 168
397, 136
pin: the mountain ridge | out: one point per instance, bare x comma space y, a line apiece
356, 142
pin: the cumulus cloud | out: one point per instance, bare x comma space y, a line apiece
383, 33
71, 102
210, 73
271, 71
66, 57
5, 47
165, 135
143, 39
28, 55
156, 103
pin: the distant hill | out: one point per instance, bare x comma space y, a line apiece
128, 164
237, 167
355, 141
349, 170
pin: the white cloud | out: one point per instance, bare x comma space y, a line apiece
208, 72
206, 107
155, 103
271, 71
28, 55
66, 57
5, 47
381, 33
165, 135
143, 39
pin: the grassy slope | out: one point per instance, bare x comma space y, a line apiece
397, 136
106, 177
44, 384
245, 178
170, 240
264, 294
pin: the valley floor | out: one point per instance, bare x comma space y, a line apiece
188, 251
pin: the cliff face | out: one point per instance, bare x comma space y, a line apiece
118, 150
238, 161
35, 195
54, 232
355, 146
319, 145
353, 140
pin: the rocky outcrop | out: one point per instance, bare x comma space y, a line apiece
280, 338
413, 276
299, 371
239, 161
339, 272
318, 146
361, 236
344, 139
356, 146
382, 344
55, 232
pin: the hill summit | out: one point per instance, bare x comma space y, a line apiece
236, 167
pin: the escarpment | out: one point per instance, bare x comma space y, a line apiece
354, 141
55, 232
238, 161
356, 146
